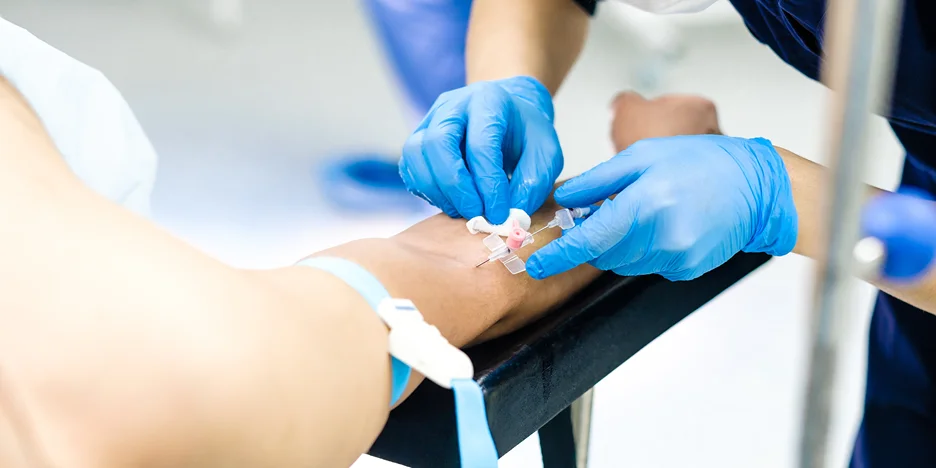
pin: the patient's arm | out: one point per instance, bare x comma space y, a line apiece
122, 346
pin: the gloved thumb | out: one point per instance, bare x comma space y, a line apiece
581, 244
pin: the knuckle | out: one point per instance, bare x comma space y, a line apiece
413, 144
625, 98
488, 139
640, 145
440, 138
706, 105
662, 194
487, 88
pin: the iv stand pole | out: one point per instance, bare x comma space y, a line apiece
860, 44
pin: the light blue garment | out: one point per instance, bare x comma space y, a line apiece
89, 121
684, 206
460, 156
425, 43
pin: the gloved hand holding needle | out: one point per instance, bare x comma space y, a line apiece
684, 206
484, 149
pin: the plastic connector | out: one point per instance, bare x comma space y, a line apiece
564, 219
421, 346
500, 251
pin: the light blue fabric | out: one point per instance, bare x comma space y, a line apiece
374, 293
475, 444
425, 43
684, 206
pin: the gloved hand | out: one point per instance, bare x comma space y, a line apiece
460, 156
906, 224
686, 205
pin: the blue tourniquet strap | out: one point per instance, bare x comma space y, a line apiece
475, 444
373, 292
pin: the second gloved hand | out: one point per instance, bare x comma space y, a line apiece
686, 205
460, 156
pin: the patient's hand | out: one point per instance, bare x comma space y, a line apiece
636, 118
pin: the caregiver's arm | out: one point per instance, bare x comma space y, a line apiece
636, 118
538, 38
122, 346
808, 179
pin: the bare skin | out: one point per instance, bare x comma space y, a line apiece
538, 38
122, 346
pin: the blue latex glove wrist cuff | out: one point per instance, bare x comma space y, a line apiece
778, 225
530, 90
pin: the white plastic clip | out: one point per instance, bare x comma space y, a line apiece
421, 346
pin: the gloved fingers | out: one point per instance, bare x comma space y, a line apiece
537, 170
442, 148
488, 114
905, 224
603, 180
416, 175
599, 233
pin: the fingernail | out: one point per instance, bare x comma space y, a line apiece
534, 269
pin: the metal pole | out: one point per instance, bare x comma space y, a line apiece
860, 39
581, 426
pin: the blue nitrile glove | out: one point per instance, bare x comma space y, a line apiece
906, 224
473, 138
686, 205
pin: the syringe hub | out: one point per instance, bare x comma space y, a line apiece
565, 219
516, 238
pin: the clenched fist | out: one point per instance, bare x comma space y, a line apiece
637, 118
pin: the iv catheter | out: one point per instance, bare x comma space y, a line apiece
565, 218
518, 238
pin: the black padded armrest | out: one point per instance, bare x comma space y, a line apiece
531, 375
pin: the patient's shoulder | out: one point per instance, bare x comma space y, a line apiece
85, 116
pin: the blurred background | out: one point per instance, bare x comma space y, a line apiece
248, 101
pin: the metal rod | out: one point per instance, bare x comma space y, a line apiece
581, 410
859, 43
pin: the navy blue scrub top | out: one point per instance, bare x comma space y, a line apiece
899, 425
